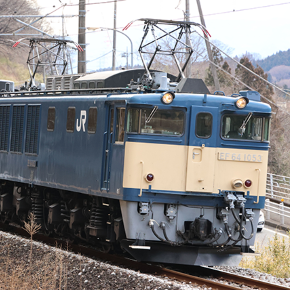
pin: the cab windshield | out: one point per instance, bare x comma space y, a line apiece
246, 127
155, 121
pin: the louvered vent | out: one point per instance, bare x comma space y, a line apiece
31, 141
4, 127
49, 84
58, 83
17, 129
66, 85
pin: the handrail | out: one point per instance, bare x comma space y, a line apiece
141, 181
258, 189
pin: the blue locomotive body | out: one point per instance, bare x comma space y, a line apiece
106, 167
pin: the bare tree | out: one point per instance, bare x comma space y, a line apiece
9, 25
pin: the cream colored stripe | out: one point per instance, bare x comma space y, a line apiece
175, 169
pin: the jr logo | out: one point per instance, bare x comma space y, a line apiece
81, 123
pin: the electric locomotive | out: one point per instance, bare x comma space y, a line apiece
165, 171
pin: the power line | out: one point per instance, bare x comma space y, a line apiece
99, 56
238, 80
276, 87
244, 9
95, 3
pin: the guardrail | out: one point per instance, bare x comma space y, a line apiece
277, 212
277, 204
278, 187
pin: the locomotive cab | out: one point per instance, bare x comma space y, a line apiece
193, 183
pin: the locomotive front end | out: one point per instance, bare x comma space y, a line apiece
194, 177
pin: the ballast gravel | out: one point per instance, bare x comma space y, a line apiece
34, 265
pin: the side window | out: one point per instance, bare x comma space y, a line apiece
70, 121
91, 85
100, 85
203, 127
120, 125
76, 86
92, 123
84, 86
50, 119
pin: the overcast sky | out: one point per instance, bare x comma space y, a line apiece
255, 26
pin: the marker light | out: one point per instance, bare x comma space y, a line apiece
167, 98
149, 177
248, 183
242, 103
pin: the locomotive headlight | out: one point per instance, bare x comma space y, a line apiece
242, 103
237, 183
167, 98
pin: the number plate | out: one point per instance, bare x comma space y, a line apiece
239, 157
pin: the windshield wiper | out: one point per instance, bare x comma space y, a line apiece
151, 114
245, 122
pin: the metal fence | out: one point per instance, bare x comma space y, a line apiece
278, 187
277, 212
277, 205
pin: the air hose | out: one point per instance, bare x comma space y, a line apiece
241, 226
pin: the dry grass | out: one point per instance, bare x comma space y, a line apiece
41, 274
274, 258
49, 272
32, 228
31, 271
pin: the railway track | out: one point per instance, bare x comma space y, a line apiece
193, 275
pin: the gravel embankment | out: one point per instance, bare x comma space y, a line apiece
52, 268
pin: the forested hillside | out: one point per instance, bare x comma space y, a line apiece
280, 58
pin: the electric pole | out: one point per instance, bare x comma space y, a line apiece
114, 36
209, 52
187, 19
82, 37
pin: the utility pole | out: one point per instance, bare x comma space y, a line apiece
114, 36
82, 37
62, 28
209, 52
187, 19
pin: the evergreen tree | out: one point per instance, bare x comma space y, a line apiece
224, 78
253, 81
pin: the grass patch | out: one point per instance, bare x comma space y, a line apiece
274, 258
33, 270
46, 273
